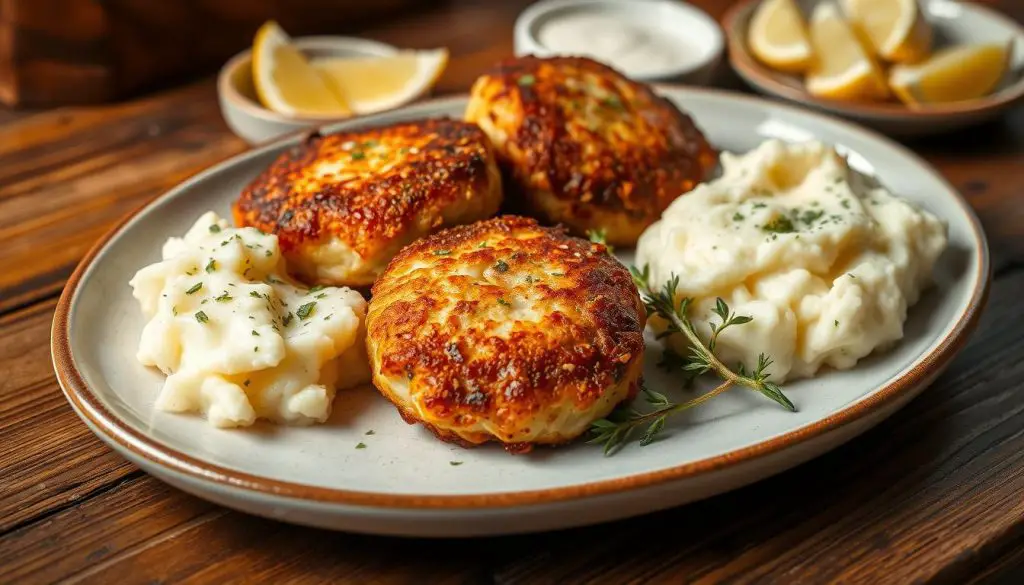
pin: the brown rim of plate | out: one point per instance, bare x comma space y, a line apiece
112, 429
735, 24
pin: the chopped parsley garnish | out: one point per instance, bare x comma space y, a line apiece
811, 216
836, 323
442, 252
361, 446
358, 155
370, 432
254, 294
211, 265
482, 245
779, 225
321, 296
287, 319
202, 318
527, 80
738, 216
305, 310
328, 317
454, 463
255, 348
845, 203
214, 229
557, 274
370, 144
246, 383
195, 288
759, 205
174, 311
317, 288
223, 298
255, 333
613, 102
501, 266
504, 302
268, 254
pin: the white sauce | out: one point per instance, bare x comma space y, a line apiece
237, 338
632, 49
790, 235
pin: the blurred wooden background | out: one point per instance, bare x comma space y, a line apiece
73, 52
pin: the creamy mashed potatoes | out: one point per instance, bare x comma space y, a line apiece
826, 264
237, 338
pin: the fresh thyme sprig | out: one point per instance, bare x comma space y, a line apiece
615, 430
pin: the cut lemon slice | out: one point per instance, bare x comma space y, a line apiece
778, 36
843, 67
373, 84
286, 82
957, 73
895, 28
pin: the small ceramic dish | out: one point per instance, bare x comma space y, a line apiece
953, 23
244, 113
699, 37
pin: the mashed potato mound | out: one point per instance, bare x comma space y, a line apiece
826, 264
238, 339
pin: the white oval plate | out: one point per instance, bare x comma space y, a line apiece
403, 481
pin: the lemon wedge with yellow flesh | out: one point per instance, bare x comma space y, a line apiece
373, 84
778, 36
896, 29
843, 67
953, 74
286, 82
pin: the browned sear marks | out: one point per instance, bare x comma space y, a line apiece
587, 146
505, 330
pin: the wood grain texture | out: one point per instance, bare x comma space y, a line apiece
931, 495
60, 52
39, 428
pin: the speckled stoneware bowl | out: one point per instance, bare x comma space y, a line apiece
953, 22
699, 33
255, 124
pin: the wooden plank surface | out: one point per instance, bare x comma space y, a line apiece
933, 494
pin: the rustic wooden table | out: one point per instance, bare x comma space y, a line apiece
935, 494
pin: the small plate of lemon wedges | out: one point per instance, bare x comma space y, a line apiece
904, 67
283, 84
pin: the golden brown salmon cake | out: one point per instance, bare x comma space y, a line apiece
506, 331
586, 146
342, 205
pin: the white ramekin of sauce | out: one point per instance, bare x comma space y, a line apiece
645, 40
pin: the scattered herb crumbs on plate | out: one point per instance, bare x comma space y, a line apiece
305, 310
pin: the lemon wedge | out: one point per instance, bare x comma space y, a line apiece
778, 36
373, 84
896, 29
843, 67
953, 74
286, 82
